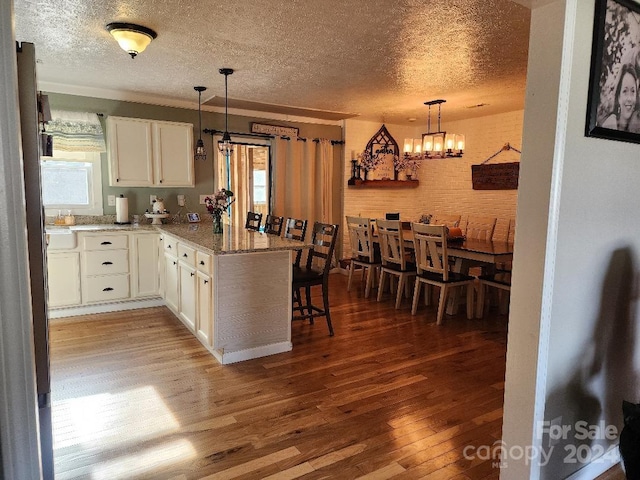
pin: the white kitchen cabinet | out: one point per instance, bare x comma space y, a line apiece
204, 329
171, 282
145, 265
145, 153
63, 274
130, 152
188, 292
173, 154
105, 267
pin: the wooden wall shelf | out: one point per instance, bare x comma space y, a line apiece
357, 183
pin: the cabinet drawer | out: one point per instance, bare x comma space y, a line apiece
106, 262
170, 244
105, 242
186, 254
105, 288
203, 262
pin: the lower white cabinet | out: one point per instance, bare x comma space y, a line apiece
205, 309
145, 281
64, 279
188, 292
171, 282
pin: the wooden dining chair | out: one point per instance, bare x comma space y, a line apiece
273, 225
316, 273
363, 253
295, 229
500, 280
253, 221
447, 220
433, 268
395, 257
480, 228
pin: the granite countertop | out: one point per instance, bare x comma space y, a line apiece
100, 227
233, 240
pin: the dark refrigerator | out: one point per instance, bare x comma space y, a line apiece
30, 116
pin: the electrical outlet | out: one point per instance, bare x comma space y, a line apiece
152, 198
111, 200
181, 200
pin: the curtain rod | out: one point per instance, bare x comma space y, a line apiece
265, 135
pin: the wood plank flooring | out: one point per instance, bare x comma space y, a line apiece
135, 395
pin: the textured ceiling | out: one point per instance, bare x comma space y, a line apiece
379, 59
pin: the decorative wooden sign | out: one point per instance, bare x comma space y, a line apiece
495, 176
274, 130
383, 146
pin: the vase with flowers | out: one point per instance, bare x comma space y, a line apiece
407, 165
368, 161
218, 205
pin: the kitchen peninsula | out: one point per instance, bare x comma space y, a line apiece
231, 290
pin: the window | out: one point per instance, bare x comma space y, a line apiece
260, 186
72, 181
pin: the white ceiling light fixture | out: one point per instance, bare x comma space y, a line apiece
437, 144
225, 146
201, 153
132, 38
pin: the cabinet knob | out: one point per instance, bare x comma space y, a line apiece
105, 243
117, 179
206, 281
192, 274
168, 246
201, 262
107, 263
160, 181
174, 263
185, 255
108, 289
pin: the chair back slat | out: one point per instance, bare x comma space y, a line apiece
430, 243
273, 225
253, 221
323, 241
360, 236
392, 246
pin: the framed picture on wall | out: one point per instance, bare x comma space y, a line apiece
613, 109
384, 148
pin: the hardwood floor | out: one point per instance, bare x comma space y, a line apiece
390, 396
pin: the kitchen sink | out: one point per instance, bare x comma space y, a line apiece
60, 239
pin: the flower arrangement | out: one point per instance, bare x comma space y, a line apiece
369, 162
406, 163
217, 205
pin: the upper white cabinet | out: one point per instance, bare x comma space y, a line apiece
146, 153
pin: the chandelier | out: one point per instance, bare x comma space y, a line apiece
437, 144
225, 146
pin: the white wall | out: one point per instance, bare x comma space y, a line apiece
572, 325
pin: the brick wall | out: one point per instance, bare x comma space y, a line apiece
445, 184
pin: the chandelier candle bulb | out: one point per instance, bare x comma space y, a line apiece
417, 146
408, 145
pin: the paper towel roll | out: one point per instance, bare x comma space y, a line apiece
122, 209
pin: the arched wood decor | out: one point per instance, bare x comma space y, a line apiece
384, 146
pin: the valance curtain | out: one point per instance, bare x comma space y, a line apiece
303, 181
76, 131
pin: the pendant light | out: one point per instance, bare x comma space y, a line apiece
225, 146
201, 153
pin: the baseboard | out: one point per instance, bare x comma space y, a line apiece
598, 466
105, 307
227, 357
